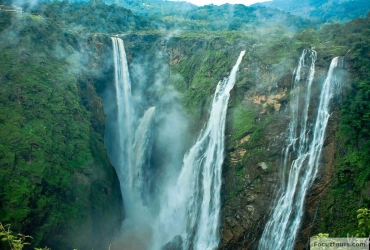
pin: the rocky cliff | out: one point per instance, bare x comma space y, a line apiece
257, 127
57, 178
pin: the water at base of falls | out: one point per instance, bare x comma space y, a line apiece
281, 229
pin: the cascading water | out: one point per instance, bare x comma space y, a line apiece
124, 116
299, 88
191, 209
142, 148
133, 153
281, 229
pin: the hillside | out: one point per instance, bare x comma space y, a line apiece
323, 10
59, 128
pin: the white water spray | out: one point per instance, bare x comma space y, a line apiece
281, 229
142, 152
299, 88
124, 117
191, 208
133, 152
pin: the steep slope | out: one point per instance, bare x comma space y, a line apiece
257, 116
52, 120
348, 189
57, 182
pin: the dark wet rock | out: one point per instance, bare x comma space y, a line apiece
174, 244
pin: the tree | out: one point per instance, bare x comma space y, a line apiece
363, 218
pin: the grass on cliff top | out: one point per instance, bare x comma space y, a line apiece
243, 121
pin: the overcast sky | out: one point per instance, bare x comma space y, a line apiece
219, 2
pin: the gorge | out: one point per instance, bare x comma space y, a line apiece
184, 130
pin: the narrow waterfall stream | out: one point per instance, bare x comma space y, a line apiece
305, 142
191, 208
134, 137
298, 89
124, 118
203, 164
142, 148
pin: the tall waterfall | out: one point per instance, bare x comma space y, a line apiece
281, 229
192, 207
133, 152
124, 116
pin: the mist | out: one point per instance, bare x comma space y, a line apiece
165, 136
123, 148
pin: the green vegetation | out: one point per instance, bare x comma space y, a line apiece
322, 10
363, 217
350, 187
154, 8
363, 227
196, 73
51, 143
56, 177
95, 17
15, 242
243, 122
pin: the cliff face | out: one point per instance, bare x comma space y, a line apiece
321, 186
254, 181
57, 182
274, 139
52, 124
257, 126
251, 173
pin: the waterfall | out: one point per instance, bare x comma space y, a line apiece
133, 151
192, 207
142, 149
124, 116
281, 229
294, 106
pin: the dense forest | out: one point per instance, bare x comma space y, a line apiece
58, 183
